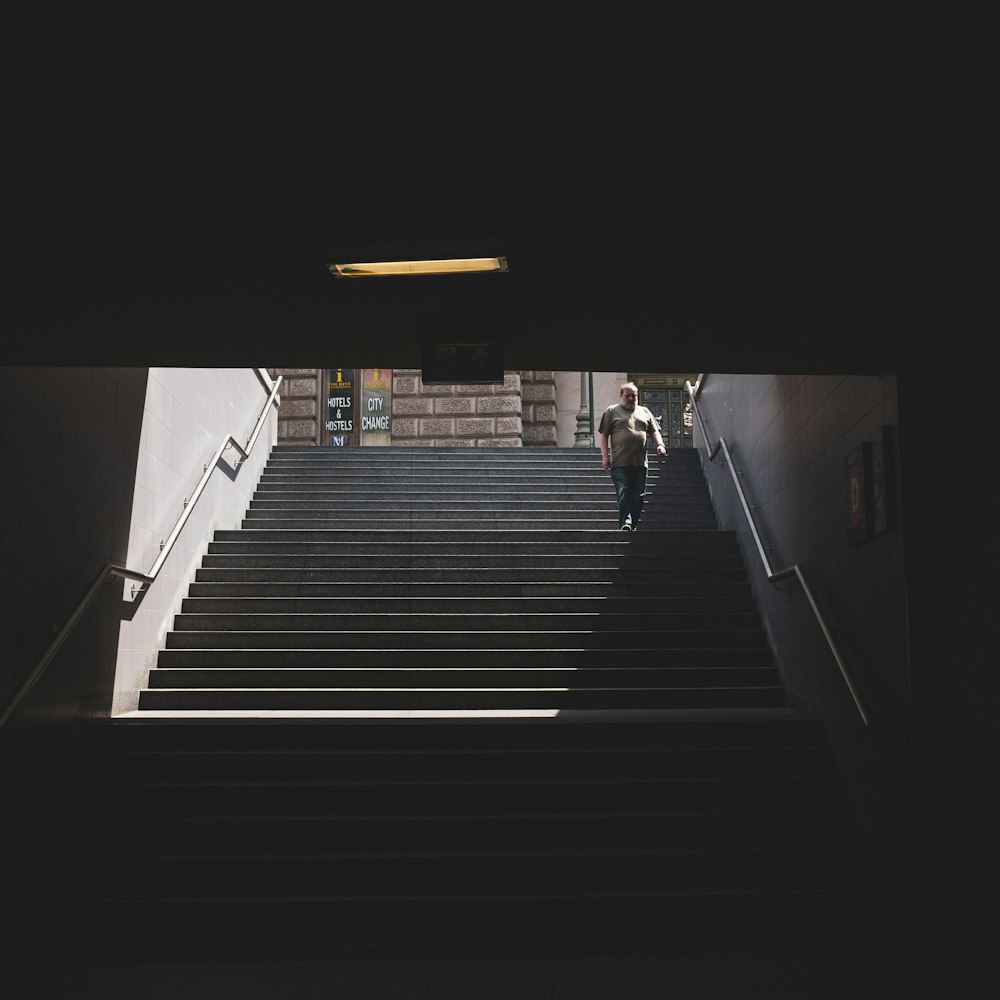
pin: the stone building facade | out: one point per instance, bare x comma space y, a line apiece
299, 413
529, 409
456, 414
538, 408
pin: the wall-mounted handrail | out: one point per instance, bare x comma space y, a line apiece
113, 569
788, 571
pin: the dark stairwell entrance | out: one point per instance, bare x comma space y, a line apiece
433, 698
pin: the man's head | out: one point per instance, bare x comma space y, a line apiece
628, 395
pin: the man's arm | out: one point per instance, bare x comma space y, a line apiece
605, 461
660, 447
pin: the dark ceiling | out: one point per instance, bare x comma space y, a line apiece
706, 187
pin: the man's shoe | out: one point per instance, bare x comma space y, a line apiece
627, 526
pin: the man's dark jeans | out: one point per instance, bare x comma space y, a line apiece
630, 488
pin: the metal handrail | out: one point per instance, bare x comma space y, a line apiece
113, 569
781, 574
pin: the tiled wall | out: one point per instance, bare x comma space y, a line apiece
789, 437
96, 465
189, 413
69, 438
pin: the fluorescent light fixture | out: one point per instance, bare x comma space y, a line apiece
451, 265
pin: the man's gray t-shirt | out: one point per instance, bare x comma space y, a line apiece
626, 432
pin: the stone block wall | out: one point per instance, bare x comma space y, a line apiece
462, 415
524, 410
538, 408
298, 415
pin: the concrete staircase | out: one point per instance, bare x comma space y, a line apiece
397, 579
435, 698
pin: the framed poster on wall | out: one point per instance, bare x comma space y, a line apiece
857, 467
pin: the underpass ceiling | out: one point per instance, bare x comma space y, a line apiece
699, 189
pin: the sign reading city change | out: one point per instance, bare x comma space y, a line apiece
376, 406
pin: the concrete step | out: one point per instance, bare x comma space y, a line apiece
348, 654
445, 509
461, 699
459, 615
487, 470
486, 794
656, 642
294, 501
499, 564
595, 541
300, 504
359, 739
478, 453
322, 501
503, 485
624, 677
772, 921
463, 603
138, 836
412, 455
517, 763
507, 488
446, 458
431, 585
453, 479
469, 874
390, 527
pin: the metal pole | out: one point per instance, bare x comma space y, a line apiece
590, 396
580, 437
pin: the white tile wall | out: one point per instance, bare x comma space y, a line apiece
68, 437
188, 413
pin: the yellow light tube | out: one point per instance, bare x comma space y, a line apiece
454, 265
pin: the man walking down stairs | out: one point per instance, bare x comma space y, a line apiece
434, 698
